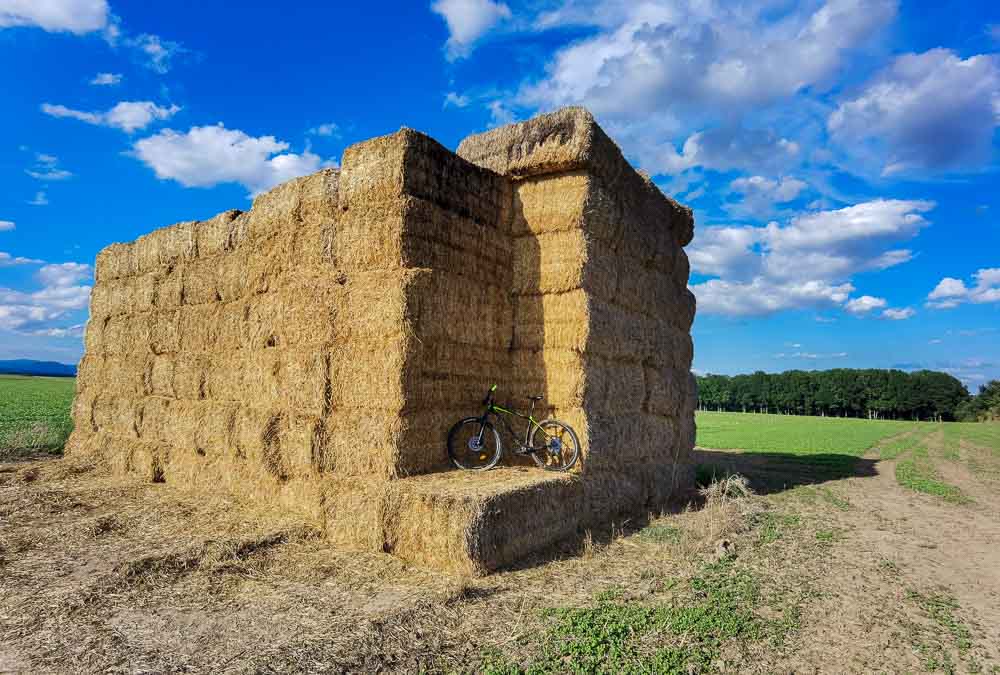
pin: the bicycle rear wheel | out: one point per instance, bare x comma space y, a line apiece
556, 446
474, 445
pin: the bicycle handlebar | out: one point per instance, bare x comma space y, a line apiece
489, 395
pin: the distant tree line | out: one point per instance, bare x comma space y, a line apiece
841, 392
985, 406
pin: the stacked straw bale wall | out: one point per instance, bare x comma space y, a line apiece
313, 351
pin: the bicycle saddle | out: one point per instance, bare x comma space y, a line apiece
535, 398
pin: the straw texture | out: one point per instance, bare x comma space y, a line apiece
313, 351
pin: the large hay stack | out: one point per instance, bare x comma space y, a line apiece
313, 351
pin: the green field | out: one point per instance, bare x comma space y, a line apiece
796, 435
34, 412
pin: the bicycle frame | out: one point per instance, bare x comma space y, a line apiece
501, 413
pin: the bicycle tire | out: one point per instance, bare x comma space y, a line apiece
457, 444
542, 460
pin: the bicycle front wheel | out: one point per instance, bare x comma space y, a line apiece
474, 444
556, 447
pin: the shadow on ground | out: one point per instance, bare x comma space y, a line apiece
770, 472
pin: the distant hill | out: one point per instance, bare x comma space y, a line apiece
29, 367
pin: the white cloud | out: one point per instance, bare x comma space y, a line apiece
455, 99
811, 356
62, 293
64, 274
807, 263
469, 20
157, 53
654, 56
7, 260
106, 79
46, 168
128, 116
951, 292
898, 314
207, 156
56, 16
925, 111
327, 129
759, 195
721, 148
6, 225
864, 304
40, 199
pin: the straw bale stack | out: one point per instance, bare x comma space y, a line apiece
313, 351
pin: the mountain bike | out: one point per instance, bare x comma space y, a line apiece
474, 443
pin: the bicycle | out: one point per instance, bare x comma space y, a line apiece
552, 444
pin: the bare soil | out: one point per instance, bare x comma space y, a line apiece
850, 574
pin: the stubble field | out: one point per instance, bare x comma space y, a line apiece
817, 545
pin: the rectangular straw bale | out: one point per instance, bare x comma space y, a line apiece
115, 296
156, 420
556, 320
368, 373
166, 246
298, 438
437, 238
170, 287
446, 307
306, 199
664, 390
361, 442
162, 376
645, 290
190, 375
199, 282
231, 324
303, 381
121, 375
369, 236
615, 386
434, 173
550, 203
553, 262
224, 377
115, 262
199, 326
163, 329
120, 334
117, 416
82, 412
355, 513
557, 374
212, 236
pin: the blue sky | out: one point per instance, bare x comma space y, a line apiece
840, 155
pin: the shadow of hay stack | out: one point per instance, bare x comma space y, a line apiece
313, 351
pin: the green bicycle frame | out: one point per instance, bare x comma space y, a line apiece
502, 413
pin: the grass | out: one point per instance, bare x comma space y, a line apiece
680, 634
795, 435
34, 413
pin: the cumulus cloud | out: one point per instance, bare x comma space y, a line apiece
661, 56
951, 292
209, 155
468, 20
721, 148
128, 116
759, 195
925, 111
898, 314
6, 225
864, 304
106, 79
56, 16
40, 199
807, 263
61, 294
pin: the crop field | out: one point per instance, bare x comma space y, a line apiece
34, 413
793, 434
